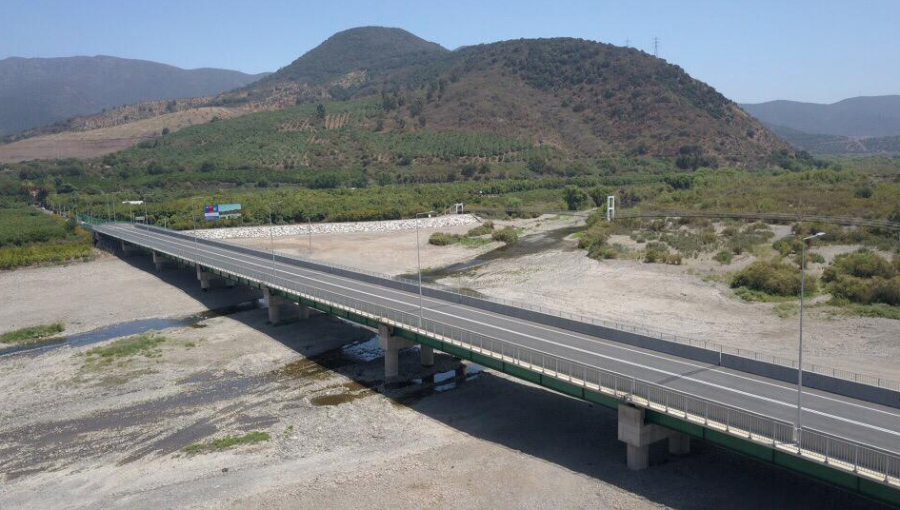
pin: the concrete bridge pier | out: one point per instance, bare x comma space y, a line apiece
391, 345
209, 280
426, 355
283, 310
638, 436
128, 249
162, 262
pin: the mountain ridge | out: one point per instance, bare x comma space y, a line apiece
36, 92
863, 116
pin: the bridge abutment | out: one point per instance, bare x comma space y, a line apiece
639, 435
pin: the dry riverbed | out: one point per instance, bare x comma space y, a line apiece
134, 425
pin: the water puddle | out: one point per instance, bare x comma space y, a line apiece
129, 328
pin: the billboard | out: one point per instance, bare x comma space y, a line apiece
214, 212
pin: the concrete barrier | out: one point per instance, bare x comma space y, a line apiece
830, 384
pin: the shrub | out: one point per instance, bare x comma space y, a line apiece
442, 239
787, 245
724, 257
773, 278
485, 228
861, 264
507, 235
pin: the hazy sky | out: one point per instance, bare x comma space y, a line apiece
815, 50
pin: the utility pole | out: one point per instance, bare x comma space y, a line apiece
656, 47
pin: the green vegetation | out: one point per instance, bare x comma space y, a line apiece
145, 344
29, 236
773, 278
484, 229
865, 278
507, 235
227, 442
444, 239
724, 257
659, 253
32, 334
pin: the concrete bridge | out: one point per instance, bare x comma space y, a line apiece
850, 435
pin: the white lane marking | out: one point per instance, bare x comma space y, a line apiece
607, 343
565, 346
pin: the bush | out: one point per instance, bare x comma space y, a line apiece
773, 278
811, 258
724, 257
787, 245
485, 228
861, 264
442, 239
507, 235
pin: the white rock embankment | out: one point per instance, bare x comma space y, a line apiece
452, 220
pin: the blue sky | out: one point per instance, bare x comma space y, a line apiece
751, 51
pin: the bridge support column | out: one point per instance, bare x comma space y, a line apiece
128, 249
638, 436
427, 355
283, 310
161, 262
391, 345
209, 280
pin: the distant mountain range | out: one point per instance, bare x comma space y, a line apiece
39, 91
568, 98
859, 125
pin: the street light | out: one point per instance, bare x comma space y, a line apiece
800, 354
419, 262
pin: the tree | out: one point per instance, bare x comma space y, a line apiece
320, 111
468, 170
575, 197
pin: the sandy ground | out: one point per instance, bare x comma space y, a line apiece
78, 435
86, 296
393, 253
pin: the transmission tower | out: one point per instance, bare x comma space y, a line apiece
627, 42
656, 46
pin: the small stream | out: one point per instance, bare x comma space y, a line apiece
129, 328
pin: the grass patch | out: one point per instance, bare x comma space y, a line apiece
227, 442
146, 344
32, 334
786, 309
877, 310
748, 294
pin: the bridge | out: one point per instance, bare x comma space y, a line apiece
662, 390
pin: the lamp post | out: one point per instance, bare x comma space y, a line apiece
800, 351
419, 262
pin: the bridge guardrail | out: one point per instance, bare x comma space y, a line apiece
847, 455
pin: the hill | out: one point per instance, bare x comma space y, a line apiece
876, 116
836, 145
39, 91
569, 99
